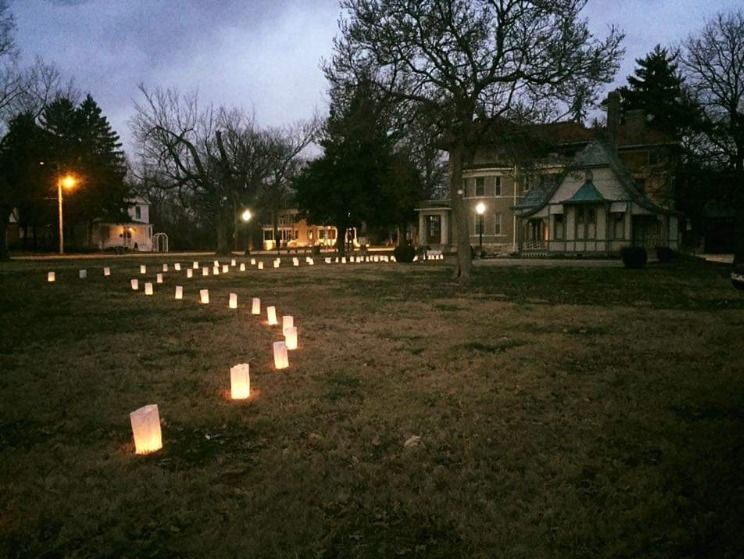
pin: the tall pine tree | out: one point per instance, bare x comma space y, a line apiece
658, 88
22, 178
361, 178
83, 142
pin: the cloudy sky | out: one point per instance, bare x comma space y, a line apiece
262, 55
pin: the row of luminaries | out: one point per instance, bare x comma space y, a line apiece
146, 420
52, 276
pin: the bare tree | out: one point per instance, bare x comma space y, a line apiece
212, 154
10, 78
39, 85
218, 159
286, 146
713, 64
463, 64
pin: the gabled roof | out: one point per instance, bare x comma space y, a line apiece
595, 154
587, 194
536, 196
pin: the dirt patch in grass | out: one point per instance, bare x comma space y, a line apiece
551, 413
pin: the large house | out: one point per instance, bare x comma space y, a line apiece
589, 191
595, 208
295, 232
135, 234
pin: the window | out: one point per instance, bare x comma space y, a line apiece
268, 235
321, 234
586, 223
465, 187
433, 228
558, 227
497, 186
525, 183
480, 186
137, 212
619, 225
497, 224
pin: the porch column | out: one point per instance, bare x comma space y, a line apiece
422, 229
444, 228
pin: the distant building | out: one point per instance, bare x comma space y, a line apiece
294, 232
590, 191
136, 234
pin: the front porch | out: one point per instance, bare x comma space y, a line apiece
595, 230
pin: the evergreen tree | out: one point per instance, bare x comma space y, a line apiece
23, 181
360, 178
82, 142
658, 88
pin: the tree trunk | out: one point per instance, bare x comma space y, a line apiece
4, 217
739, 223
341, 240
223, 233
459, 215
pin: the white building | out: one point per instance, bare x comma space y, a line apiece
135, 234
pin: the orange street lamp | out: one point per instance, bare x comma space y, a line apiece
67, 182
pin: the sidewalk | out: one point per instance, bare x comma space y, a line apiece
720, 258
550, 262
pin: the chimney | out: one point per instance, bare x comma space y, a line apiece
613, 117
635, 122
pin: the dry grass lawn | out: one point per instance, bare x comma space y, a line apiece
561, 413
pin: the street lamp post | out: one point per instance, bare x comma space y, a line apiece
67, 182
246, 216
480, 209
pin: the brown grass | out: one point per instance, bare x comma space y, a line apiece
562, 413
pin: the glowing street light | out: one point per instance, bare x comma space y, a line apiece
246, 216
67, 182
480, 209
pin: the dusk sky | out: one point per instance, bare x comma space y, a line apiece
262, 55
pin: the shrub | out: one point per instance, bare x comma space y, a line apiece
634, 257
665, 254
404, 253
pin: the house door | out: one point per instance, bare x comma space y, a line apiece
646, 231
433, 229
